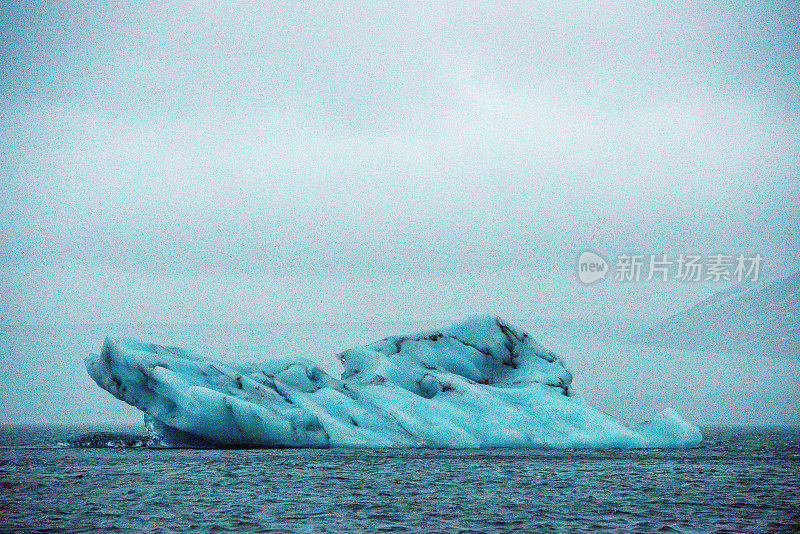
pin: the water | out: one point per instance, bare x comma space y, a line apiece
739, 480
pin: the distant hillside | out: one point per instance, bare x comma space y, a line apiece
759, 316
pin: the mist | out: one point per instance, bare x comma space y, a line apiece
218, 163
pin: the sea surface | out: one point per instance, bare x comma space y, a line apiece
741, 479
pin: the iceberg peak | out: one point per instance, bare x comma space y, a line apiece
481, 350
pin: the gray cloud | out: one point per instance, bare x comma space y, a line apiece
328, 139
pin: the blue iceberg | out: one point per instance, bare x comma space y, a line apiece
481, 383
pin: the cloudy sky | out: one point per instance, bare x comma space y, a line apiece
216, 161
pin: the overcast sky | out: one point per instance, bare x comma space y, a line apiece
216, 161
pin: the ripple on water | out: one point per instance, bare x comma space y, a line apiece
740, 480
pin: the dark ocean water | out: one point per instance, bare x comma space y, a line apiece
738, 480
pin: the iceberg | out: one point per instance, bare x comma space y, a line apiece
481, 383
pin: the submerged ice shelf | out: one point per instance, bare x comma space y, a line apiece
480, 383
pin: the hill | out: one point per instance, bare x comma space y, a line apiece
761, 316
